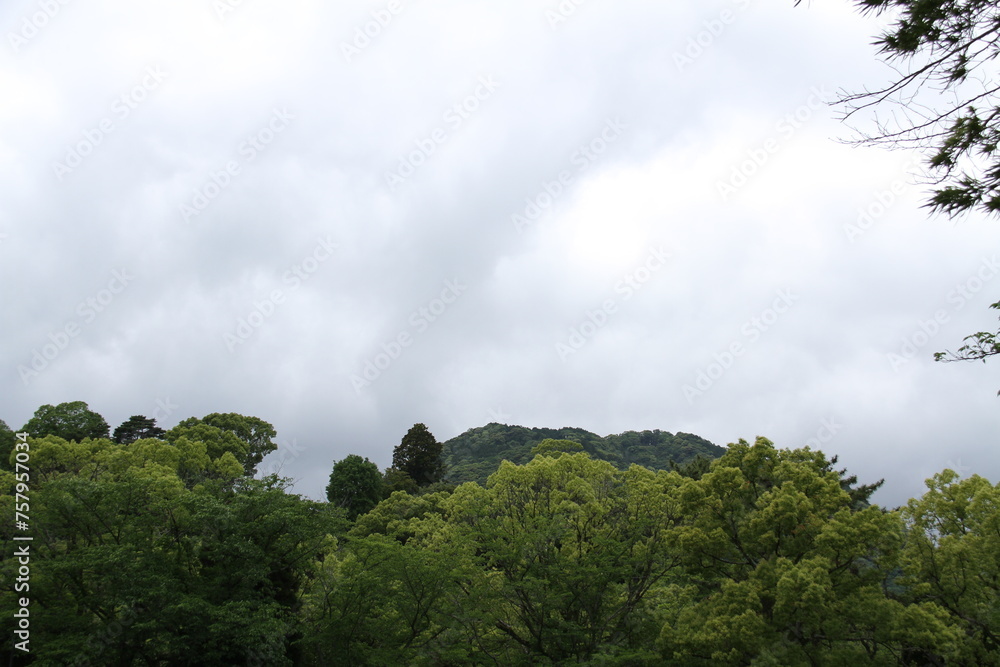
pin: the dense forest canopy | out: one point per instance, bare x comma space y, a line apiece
475, 454
166, 550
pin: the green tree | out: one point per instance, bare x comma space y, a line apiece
69, 421
952, 558
551, 446
132, 565
784, 568
380, 602
695, 468
355, 484
7, 440
137, 427
402, 588
255, 432
573, 547
213, 443
419, 456
398, 480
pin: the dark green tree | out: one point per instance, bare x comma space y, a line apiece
419, 456
7, 440
69, 421
130, 566
695, 468
397, 480
135, 428
355, 484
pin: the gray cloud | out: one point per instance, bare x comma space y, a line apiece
257, 265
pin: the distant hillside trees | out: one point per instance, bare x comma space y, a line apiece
477, 453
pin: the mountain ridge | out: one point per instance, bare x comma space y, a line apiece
476, 454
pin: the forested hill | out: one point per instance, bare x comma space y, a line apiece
477, 453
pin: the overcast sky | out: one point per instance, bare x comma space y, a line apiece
611, 215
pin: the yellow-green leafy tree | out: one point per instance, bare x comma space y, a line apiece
952, 559
785, 569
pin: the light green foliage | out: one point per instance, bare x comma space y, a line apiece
952, 558
255, 432
787, 570
575, 545
382, 603
216, 441
553, 447
400, 516
767, 557
400, 590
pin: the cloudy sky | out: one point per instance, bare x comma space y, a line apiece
611, 215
